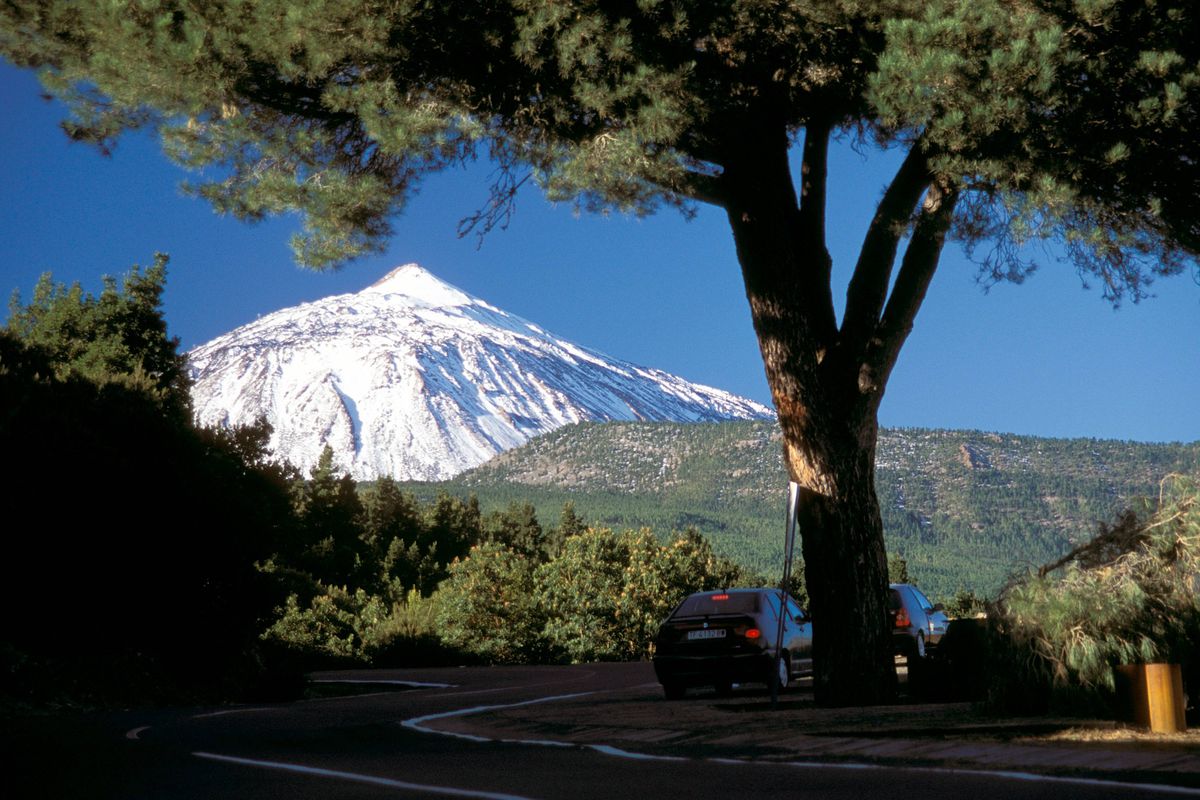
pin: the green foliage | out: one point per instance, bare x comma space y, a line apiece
600, 598
1132, 603
164, 521
336, 624
965, 604
340, 627
329, 510
391, 529
518, 529
120, 336
581, 594
452, 525
489, 606
897, 569
657, 577
413, 617
1072, 120
373, 537
510, 598
389, 514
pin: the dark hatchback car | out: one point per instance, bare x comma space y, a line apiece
917, 624
719, 638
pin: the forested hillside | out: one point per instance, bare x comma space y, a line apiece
964, 508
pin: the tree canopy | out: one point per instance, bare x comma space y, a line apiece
1071, 118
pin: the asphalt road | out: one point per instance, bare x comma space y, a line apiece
377, 744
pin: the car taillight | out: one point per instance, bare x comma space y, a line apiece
902, 620
753, 633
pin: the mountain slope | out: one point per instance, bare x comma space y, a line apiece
416, 379
965, 508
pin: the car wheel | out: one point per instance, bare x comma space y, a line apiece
919, 646
674, 691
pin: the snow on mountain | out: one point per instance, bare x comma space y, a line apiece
413, 378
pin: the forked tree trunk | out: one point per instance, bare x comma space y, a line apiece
826, 384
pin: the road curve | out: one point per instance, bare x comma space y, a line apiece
385, 743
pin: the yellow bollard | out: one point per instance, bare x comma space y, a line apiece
1153, 696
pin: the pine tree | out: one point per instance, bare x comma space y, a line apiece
452, 526
517, 528
569, 524
120, 336
329, 510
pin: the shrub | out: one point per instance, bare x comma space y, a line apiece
409, 636
335, 626
1132, 595
488, 606
606, 593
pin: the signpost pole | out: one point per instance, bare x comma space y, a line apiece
789, 547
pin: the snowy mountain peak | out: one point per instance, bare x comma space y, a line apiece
421, 287
414, 378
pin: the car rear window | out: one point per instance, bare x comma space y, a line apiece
718, 603
893, 599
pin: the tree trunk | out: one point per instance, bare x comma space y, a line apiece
846, 572
827, 414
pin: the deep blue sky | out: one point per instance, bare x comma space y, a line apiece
1045, 358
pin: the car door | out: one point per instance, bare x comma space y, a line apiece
936, 621
798, 639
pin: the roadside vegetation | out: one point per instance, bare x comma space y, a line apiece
444, 583
1130, 596
131, 535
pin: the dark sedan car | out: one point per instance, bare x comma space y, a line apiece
917, 624
719, 638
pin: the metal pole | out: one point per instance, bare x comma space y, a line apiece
789, 546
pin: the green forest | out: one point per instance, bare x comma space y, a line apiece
965, 509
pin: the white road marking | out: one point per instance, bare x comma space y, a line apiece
609, 750
136, 732
232, 711
498, 689
355, 777
412, 684
417, 723
363, 696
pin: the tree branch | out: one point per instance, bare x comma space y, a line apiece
868, 287
814, 177
916, 271
261, 85
703, 188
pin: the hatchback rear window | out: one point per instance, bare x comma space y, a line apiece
718, 603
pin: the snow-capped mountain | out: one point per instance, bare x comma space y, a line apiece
416, 379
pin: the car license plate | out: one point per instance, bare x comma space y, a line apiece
707, 633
